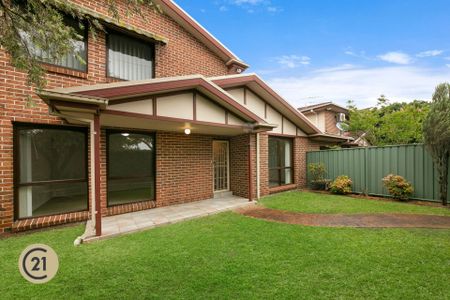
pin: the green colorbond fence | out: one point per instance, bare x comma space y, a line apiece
367, 166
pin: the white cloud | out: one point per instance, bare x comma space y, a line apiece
396, 57
363, 85
360, 54
292, 61
429, 53
448, 65
223, 8
336, 68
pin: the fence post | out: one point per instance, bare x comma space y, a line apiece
366, 172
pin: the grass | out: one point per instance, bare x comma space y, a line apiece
308, 202
232, 256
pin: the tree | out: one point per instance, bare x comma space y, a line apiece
29, 24
389, 123
436, 130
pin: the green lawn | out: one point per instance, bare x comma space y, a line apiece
232, 256
331, 204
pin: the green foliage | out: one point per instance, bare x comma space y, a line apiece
389, 124
436, 130
341, 185
317, 171
41, 23
398, 187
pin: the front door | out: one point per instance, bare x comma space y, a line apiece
221, 165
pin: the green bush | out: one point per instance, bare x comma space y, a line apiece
398, 187
317, 172
341, 185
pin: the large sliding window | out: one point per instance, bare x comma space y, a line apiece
129, 58
131, 167
280, 161
50, 170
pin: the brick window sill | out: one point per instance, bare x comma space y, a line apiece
41, 222
131, 207
65, 71
282, 188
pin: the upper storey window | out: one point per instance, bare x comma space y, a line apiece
76, 59
129, 58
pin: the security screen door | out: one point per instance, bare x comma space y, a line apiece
220, 161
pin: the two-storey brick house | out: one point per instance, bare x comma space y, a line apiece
160, 114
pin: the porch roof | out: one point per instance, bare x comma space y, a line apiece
256, 84
99, 98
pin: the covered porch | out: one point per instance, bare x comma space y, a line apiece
200, 138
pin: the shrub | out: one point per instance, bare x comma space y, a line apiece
398, 187
341, 185
317, 172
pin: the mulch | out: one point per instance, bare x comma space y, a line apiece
381, 220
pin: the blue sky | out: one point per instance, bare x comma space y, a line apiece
336, 50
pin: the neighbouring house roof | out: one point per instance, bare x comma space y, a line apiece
328, 137
323, 106
257, 85
174, 11
104, 94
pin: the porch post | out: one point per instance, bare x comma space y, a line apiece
98, 209
250, 169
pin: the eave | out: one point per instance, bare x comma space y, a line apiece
257, 85
326, 137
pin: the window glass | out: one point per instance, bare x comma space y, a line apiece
131, 167
52, 171
129, 58
75, 60
280, 161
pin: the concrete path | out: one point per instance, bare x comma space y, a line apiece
381, 220
146, 219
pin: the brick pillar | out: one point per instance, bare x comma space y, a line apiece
264, 164
239, 164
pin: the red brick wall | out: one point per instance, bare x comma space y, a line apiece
184, 168
264, 164
301, 146
183, 55
239, 180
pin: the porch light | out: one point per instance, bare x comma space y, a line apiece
125, 134
187, 131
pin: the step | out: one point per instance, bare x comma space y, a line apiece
225, 194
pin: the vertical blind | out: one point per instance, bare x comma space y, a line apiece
129, 58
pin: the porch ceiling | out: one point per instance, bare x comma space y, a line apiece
110, 119
117, 119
